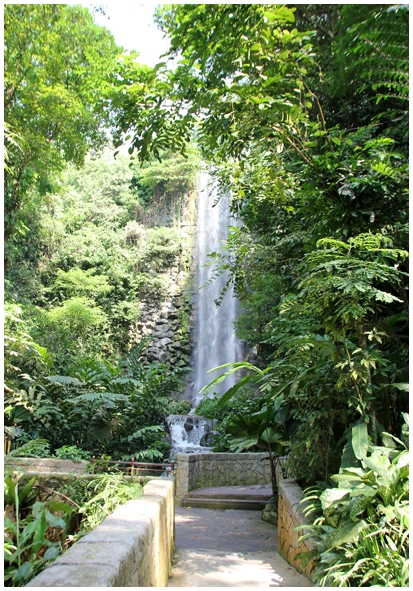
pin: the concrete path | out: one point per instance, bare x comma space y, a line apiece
228, 548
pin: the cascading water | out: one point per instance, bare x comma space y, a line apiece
189, 433
214, 335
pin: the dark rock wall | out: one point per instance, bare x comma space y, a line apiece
167, 321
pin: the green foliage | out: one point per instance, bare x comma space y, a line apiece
100, 408
222, 48
157, 251
301, 110
268, 427
38, 532
75, 317
69, 329
71, 452
76, 281
87, 242
361, 526
209, 407
319, 263
36, 448
180, 407
55, 59
15, 497
109, 492
172, 176
33, 540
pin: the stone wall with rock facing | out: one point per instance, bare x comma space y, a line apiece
166, 319
133, 547
202, 470
290, 516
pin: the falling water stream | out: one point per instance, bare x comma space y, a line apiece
214, 335
215, 342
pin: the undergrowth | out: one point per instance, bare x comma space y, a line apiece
36, 533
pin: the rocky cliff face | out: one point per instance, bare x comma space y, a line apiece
166, 320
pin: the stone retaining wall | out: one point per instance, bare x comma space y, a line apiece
290, 515
55, 465
220, 469
133, 547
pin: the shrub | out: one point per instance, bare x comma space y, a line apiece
110, 492
361, 532
33, 537
72, 452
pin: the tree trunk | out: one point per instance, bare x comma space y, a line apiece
273, 473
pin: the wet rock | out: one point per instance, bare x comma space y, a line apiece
206, 440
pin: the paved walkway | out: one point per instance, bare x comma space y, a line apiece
228, 548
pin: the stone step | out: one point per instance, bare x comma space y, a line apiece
249, 497
217, 503
229, 495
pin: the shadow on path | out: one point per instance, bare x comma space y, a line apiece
228, 548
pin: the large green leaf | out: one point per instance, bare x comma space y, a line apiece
51, 553
271, 435
239, 444
60, 506
378, 463
348, 458
29, 530
232, 391
23, 572
55, 520
332, 495
403, 386
360, 440
346, 533
20, 413
27, 490
358, 505
345, 480
41, 528
363, 490
65, 380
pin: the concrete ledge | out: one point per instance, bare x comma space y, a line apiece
290, 515
133, 547
40, 465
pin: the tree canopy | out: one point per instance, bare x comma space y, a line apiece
56, 64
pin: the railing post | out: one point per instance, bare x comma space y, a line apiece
132, 466
93, 464
172, 469
7, 444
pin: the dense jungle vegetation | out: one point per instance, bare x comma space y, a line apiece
301, 111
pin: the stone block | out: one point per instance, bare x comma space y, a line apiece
133, 547
49, 465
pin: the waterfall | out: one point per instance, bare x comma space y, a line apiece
190, 434
214, 337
